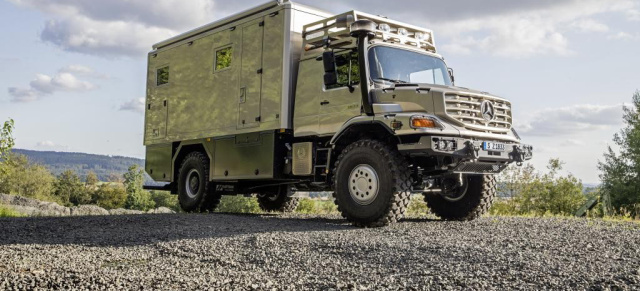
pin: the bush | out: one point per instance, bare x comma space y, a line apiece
5, 211
20, 177
417, 206
71, 190
537, 194
239, 204
137, 198
165, 199
110, 196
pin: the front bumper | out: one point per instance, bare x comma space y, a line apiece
470, 153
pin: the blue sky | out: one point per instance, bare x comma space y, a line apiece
73, 71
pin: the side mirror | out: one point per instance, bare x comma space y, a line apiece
330, 74
453, 79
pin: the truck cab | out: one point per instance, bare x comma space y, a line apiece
355, 104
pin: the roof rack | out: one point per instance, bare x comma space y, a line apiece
335, 31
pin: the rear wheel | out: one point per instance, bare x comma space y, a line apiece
195, 193
463, 202
371, 184
277, 199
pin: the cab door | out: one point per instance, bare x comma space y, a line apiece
250, 75
339, 103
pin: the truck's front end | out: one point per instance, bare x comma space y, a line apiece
453, 139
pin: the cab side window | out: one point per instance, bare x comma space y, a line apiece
348, 70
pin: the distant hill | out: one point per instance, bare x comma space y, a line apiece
103, 166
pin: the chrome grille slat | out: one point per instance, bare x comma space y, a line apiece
466, 110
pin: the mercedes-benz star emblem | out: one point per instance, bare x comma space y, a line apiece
488, 111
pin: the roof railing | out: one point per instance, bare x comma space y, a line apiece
335, 32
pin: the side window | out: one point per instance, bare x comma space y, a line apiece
162, 76
223, 58
348, 70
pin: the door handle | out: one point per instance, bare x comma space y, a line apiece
243, 94
325, 102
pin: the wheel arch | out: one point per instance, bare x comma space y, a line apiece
358, 129
185, 148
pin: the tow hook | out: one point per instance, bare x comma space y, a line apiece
472, 150
518, 155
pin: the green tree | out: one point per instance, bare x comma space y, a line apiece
70, 189
6, 138
110, 196
620, 172
91, 180
137, 198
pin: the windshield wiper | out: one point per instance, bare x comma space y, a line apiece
392, 80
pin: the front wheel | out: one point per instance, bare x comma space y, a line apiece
464, 202
372, 183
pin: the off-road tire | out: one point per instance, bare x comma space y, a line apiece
475, 203
204, 199
211, 200
394, 186
282, 201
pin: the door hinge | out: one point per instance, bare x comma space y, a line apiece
259, 71
261, 23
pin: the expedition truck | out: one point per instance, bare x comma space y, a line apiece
284, 98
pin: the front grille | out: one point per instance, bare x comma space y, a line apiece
466, 109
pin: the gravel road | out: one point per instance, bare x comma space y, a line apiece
293, 252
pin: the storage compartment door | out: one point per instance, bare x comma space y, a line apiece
251, 75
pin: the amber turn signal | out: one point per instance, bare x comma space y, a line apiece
420, 122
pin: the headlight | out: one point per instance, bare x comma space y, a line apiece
403, 31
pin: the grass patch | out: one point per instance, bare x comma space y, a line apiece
239, 204
6, 211
316, 206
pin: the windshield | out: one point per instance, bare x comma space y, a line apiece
394, 65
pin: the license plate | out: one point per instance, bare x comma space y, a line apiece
492, 146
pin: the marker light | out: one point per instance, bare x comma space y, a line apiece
384, 27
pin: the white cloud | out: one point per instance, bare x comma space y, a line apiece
590, 25
23, 94
83, 71
117, 27
536, 30
48, 145
565, 121
621, 36
135, 105
45, 85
